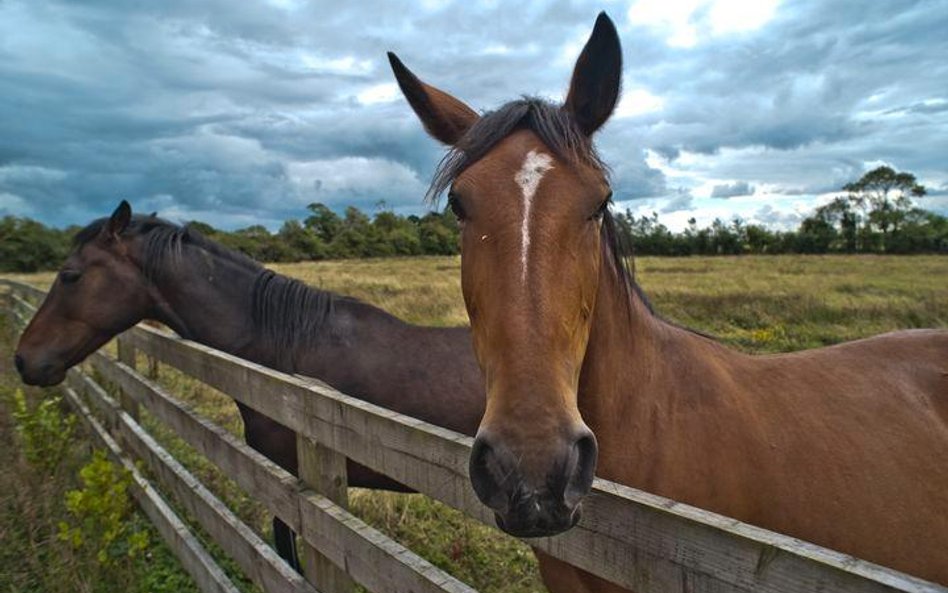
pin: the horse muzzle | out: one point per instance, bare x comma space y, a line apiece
42, 374
534, 507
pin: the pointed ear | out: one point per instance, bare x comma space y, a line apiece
597, 77
119, 220
445, 118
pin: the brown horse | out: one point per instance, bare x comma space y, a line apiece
128, 268
845, 446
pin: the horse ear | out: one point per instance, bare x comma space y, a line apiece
445, 118
119, 219
597, 77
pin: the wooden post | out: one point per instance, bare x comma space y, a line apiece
126, 355
324, 471
152, 368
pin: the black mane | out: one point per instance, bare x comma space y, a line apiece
286, 313
163, 240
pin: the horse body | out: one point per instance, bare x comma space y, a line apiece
844, 446
836, 445
126, 269
236, 306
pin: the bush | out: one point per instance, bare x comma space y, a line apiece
101, 511
44, 433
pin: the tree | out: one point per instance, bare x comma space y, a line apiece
759, 239
203, 228
816, 235
29, 246
323, 221
439, 233
839, 213
304, 243
884, 196
356, 237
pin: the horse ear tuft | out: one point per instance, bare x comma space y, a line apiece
120, 219
446, 118
597, 77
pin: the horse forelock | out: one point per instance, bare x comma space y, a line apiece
550, 122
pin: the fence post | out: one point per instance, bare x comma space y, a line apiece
152, 368
126, 355
324, 471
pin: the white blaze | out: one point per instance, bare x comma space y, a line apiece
528, 178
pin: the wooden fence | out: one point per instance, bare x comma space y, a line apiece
638, 540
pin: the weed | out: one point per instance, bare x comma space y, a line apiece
44, 432
100, 511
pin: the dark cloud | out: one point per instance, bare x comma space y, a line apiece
682, 200
730, 190
632, 178
240, 113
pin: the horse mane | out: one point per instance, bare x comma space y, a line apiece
286, 313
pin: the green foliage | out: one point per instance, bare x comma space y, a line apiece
44, 432
878, 215
101, 512
302, 241
29, 246
323, 222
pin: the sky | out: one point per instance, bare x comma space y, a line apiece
241, 113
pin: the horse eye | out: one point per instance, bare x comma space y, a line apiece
601, 209
69, 276
455, 203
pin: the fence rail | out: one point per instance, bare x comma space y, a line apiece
640, 541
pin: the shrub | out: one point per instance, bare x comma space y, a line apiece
44, 432
101, 511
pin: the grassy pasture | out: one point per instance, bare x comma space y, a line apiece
757, 304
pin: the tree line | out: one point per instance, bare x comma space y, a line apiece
877, 214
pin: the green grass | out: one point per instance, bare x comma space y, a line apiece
757, 304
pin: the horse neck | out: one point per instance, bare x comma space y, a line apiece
205, 298
210, 299
623, 339
636, 365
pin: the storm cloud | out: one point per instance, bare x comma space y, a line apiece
244, 113
730, 190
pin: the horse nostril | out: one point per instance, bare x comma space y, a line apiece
18, 363
479, 471
582, 468
489, 472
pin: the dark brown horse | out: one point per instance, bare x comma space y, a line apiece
845, 446
128, 268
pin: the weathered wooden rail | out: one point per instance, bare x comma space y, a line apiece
638, 540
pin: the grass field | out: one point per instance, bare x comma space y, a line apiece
757, 304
